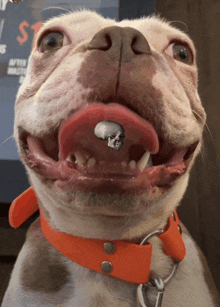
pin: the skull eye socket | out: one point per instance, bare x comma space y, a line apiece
51, 42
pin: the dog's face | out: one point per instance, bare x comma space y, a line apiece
142, 68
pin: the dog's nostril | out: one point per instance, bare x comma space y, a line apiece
139, 45
109, 42
133, 43
135, 47
101, 41
120, 43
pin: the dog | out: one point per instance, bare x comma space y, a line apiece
86, 72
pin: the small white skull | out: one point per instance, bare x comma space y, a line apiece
111, 131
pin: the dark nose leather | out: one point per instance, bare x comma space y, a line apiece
120, 43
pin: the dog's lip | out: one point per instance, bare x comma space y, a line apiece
132, 181
169, 163
113, 217
150, 180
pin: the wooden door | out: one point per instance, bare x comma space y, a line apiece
200, 209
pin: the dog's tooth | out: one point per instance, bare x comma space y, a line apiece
149, 163
70, 158
27, 151
132, 164
142, 163
91, 162
80, 159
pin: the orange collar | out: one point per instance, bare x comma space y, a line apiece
121, 259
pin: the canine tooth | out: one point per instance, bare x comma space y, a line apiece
27, 151
70, 158
132, 164
142, 163
91, 162
79, 158
149, 163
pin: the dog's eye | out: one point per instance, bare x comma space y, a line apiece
52, 41
180, 53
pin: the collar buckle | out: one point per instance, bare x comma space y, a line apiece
154, 280
152, 234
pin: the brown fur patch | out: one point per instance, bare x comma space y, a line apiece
42, 269
98, 302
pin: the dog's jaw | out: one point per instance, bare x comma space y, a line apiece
111, 171
165, 95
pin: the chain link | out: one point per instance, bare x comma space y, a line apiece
154, 280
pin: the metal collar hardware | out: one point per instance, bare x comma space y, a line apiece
155, 280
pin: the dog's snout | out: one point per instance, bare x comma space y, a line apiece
125, 43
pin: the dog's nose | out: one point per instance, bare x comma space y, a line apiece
120, 43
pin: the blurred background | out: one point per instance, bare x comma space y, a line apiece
200, 208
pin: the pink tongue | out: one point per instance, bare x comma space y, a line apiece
77, 132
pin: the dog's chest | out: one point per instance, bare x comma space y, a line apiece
94, 289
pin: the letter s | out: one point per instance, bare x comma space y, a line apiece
23, 39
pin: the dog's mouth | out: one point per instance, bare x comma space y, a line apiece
75, 155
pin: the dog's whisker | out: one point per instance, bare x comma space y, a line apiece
72, 10
6, 140
203, 120
179, 21
203, 151
206, 126
57, 7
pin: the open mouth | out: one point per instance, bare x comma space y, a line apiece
74, 155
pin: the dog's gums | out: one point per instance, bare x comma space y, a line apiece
81, 158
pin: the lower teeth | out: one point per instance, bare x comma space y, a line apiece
91, 162
80, 160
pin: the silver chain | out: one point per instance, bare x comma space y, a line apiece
154, 280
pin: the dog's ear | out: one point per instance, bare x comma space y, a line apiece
180, 25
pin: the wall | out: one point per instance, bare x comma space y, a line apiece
200, 209
18, 25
